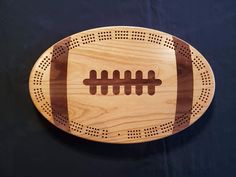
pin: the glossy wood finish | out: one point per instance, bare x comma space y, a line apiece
122, 84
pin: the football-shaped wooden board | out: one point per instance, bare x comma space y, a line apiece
122, 84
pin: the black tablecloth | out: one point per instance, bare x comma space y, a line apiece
31, 147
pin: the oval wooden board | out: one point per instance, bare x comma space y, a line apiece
122, 84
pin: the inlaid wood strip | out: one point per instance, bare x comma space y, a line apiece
184, 85
58, 84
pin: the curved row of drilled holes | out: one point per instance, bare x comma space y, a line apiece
170, 43
45, 62
73, 44
205, 93
89, 38
95, 132
104, 35
154, 38
60, 118
151, 131
198, 63
76, 126
104, 133
166, 127
38, 77
179, 50
57, 116
47, 108
121, 34
38, 92
134, 134
206, 79
137, 35
196, 109
92, 133
57, 52
183, 119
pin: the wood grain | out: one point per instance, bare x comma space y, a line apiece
122, 85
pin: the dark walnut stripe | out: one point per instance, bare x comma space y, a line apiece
58, 85
184, 86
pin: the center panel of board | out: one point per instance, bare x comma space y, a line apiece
121, 113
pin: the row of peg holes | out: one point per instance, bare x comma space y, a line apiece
205, 76
59, 117
204, 94
76, 126
58, 51
47, 108
154, 38
152, 131
184, 51
120, 34
170, 43
181, 120
104, 133
38, 92
91, 131
45, 63
105, 35
38, 77
89, 38
137, 35
72, 44
196, 109
166, 127
134, 134
198, 63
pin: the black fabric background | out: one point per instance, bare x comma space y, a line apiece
31, 147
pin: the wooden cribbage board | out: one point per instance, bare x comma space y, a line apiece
121, 84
